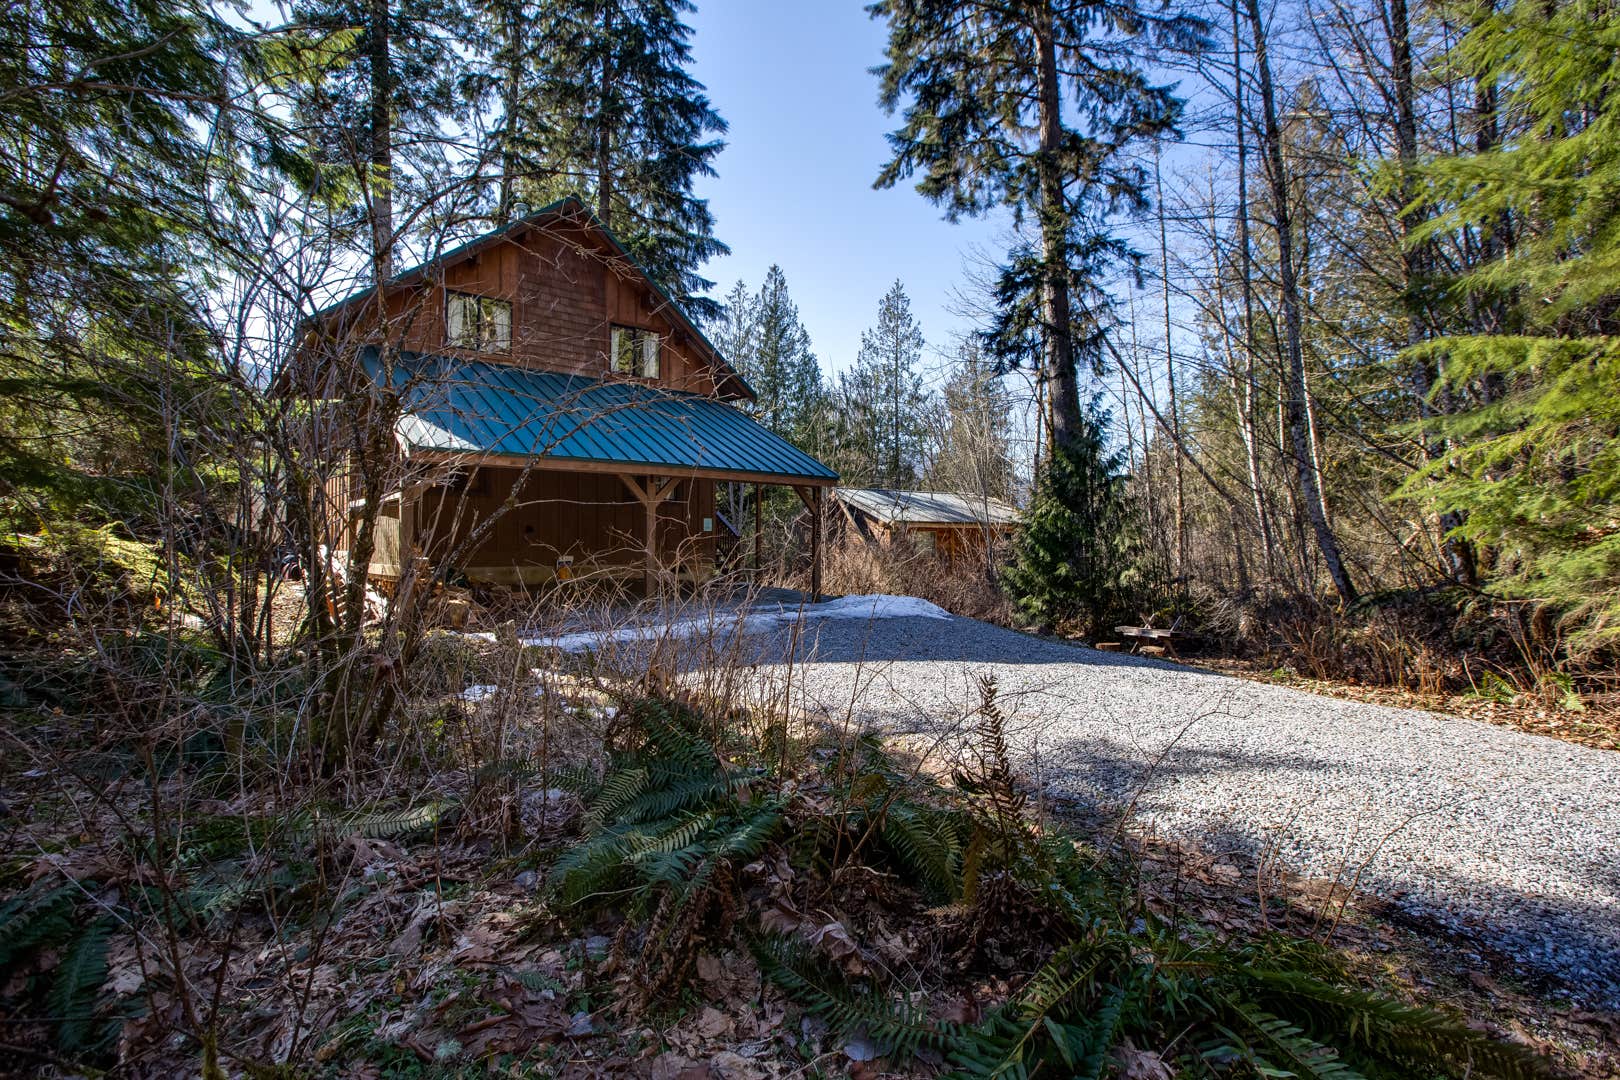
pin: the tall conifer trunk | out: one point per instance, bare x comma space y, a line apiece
604, 127
381, 179
1294, 408
512, 84
1066, 424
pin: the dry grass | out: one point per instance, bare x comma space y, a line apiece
1433, 643
963, 587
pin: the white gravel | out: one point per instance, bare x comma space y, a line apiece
1508, 839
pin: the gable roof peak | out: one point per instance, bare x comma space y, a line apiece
573, 208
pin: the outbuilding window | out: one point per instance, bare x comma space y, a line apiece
635, 352
477, 322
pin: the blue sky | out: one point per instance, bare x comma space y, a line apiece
795, 180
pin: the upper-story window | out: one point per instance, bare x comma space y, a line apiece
635, 352
477, 322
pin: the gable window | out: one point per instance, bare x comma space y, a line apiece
477, 322
635, 352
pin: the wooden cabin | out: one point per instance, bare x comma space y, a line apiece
953, 526
558, 416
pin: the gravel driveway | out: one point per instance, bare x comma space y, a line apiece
1506, 838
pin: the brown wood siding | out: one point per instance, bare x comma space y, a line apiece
592, 517
568, 287
950, 543
567, 291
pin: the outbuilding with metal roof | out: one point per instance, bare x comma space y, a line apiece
953, 525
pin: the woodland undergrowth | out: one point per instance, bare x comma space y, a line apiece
573, 872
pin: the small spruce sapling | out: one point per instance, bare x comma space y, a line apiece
1070, 557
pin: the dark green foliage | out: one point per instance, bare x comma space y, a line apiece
1124, 978
35, 920
928, 842
396, 56
1035, 106
40, 920
103, 205
76, 983
669, 825
225, 837
667, 817
614, 113
896, 1026
882, 403
763, 338
1536, 471
888, 813
963, 134
1070, 558
1525, 400
1380, 1027
672, 821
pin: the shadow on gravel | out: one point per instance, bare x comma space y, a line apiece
853, 641
1095, 769
1572, 940
1547, 942
1550, 941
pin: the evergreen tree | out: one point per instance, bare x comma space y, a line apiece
1534, 460
732, 330
627, 125
790, 398
377, 116
508, 85
1034, 105
1071, 555
111, 194
883, 400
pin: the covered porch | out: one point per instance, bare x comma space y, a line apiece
524, 477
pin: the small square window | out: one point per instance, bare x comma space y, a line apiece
635, 352
477, 322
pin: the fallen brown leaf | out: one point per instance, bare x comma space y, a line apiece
832, 939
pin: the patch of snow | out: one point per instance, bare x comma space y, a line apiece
581, 640
479, 693
862, 608
877, 606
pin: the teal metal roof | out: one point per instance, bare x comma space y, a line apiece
477, 407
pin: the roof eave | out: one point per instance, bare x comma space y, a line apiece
615, 466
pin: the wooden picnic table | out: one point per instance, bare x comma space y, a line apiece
1159, 638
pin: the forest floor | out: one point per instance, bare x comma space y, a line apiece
1596, 724
445, 950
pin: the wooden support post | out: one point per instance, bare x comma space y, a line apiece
759, 525
815, 547
650, 496
650, 568
811, 497
408, 498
